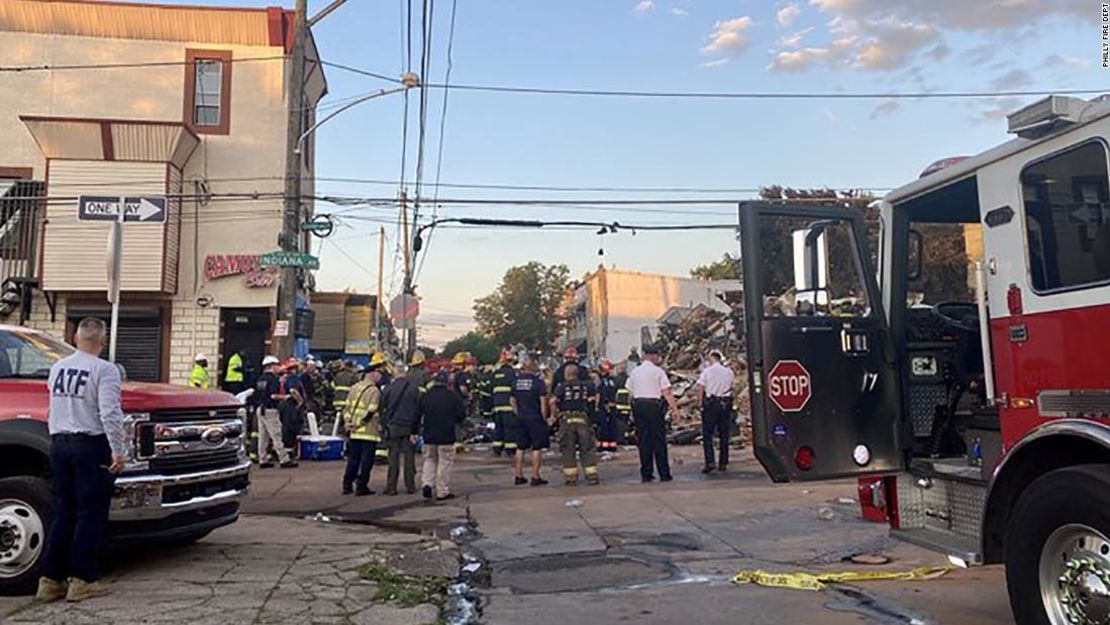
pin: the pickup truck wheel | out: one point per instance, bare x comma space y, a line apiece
25, 512
1058, 549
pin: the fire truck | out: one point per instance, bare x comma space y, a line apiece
978, 391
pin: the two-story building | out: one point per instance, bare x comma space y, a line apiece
182, 102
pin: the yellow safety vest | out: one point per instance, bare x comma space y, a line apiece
234, 369
362, 411
199, 377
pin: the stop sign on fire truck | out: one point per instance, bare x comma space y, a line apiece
789, 385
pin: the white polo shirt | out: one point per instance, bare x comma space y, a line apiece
647, 381
717, 380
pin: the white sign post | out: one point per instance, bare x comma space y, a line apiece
115, 265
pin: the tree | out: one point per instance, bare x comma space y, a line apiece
526, 307
482, 347
727, 268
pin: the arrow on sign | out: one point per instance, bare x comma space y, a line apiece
147, 209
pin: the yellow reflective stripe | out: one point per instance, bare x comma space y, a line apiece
502, 389
591, 470
572, 472
342, 388
502, 408
510, 445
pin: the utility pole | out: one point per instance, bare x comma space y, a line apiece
291, 218
410, 333
378, 307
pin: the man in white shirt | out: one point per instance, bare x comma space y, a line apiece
715, 402
649, 387
87, 449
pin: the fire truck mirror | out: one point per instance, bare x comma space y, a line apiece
811, 265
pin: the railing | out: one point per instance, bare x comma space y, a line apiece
21, 212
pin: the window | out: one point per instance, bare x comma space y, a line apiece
207, 91
206, 98
1067, 208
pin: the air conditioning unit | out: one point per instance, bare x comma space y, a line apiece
1045, 115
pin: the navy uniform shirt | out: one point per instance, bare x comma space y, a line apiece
529, 390
608, 390
574, 396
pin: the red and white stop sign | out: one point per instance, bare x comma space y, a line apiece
789, 385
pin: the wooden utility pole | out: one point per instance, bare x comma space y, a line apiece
291, 219
380, 306
410, 333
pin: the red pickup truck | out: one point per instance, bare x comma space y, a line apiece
186, 469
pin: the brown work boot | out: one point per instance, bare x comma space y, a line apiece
79, 590
50, 590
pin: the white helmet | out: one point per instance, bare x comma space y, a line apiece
199, 357
270, 360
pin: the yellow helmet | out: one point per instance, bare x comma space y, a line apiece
417, 358
378, 359
460, 358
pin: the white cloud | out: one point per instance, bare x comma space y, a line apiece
997, 108
787, 14
714, 63
645, 6
884, 109
836, 53
884, 44
679, 11
792, 40
939, 52
728, 36
962, 14
1064, 59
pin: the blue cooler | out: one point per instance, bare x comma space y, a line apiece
322, 448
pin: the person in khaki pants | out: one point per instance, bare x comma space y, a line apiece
441, 410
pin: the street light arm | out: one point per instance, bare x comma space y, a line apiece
351, 104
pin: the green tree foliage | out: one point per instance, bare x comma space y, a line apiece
526, 307
727, 268
482, 347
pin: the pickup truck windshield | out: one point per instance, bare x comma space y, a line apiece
29, 354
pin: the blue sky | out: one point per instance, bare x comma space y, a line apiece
679, 45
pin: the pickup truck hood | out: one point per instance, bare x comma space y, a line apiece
28, 399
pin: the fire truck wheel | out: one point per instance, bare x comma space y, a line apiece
1058, 549
25, 511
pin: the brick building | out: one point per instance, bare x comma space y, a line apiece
182, 102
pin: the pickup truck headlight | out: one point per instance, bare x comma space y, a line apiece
136, 449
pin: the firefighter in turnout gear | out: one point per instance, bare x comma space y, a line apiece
463, 383
345, 377
605, 419
571, 403
198, 377
622, 408
485, 393
363, 424
234, 376
501, 389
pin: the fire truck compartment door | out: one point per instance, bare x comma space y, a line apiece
825, 395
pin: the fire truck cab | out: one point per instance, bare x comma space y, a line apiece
955, 338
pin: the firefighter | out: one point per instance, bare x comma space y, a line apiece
501, 389
198, 377
345, 377
570, 357
605, 419
571, 405
622, 407
380, 363
291, 405
313, 382
362, 421
530, 425
462, 382
485, 393
234, 377
418, 369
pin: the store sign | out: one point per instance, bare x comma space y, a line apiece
289, 259
257, 276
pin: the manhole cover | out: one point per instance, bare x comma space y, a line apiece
566, 573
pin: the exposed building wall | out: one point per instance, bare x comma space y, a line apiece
40, 316
194, 329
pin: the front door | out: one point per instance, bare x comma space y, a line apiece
824, 386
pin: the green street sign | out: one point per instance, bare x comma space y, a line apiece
289, 259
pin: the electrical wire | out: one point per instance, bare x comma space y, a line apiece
17, 69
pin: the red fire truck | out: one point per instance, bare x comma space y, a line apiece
981, 394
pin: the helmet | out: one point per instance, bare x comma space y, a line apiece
506, 356
270, 360
460, 358
571, 353
378, 359
606, 365
199, 357
290, 363
417, 358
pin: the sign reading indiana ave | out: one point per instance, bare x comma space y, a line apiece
289, 259
147, 208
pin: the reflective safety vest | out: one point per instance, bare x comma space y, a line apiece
502, 388
199, 377
234, 368
624, 402
362, 412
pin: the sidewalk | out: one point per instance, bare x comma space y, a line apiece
259, 570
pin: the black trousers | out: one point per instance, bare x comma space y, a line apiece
401, 450
651, 430
82, 497
360, 460
716, 420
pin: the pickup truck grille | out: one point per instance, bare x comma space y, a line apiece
190, 441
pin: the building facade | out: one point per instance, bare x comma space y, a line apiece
609, 309
133, 100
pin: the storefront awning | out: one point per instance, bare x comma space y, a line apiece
112, 139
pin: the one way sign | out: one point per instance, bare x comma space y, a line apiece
148, 208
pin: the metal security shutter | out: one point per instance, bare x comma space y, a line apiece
139, 349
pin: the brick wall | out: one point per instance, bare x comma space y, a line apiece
194, 329
40, 316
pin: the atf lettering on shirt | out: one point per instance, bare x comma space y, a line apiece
528, 391
70, 382
574, 396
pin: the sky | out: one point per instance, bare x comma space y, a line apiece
825, 46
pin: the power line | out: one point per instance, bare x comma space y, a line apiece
17, 69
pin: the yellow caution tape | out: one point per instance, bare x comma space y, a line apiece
819, 581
